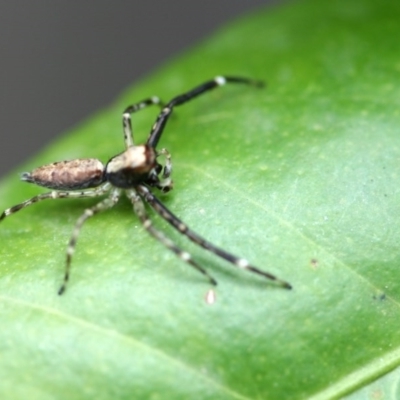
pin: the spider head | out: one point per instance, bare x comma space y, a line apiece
135, 165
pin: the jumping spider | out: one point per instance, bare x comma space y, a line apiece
135, 171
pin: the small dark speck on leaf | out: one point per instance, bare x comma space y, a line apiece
380, 297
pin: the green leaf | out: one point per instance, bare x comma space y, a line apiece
302, 179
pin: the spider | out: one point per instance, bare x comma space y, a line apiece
134, 172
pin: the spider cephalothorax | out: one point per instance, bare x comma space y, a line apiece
133, 172
137, 164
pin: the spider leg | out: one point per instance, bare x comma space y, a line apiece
162, 118
126, 117
168, 163
89, 212
140, 211
173, 220
166, 184
55, 195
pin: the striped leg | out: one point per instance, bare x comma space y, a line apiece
126, 117
166, 183
173, 220
140, 211
56, 195
163, 117
168, 163
89, 212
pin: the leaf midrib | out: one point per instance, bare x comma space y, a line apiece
131, 340
290, 226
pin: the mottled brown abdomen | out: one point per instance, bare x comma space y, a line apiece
81, 173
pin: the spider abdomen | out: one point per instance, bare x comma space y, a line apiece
76, 174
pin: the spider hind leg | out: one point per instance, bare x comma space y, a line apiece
105, 204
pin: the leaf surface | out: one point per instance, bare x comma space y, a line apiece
300, 178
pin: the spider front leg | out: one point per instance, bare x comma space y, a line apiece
126, 117
168, 163
166, 184
140, 211
181, 227
89, 212
166, 112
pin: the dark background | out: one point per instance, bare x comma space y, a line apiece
60, 60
